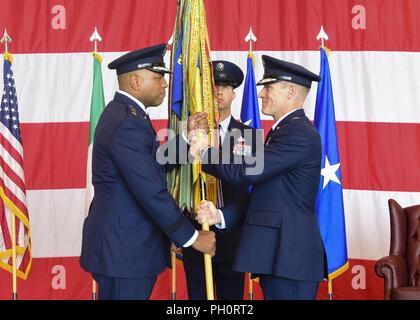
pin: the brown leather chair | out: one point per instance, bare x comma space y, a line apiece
401, 269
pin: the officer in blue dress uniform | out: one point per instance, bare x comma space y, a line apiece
281, 240
229, 284
133, 218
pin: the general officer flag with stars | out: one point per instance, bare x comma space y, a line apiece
330, 208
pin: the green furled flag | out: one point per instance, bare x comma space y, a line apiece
191, 91
179, 179
96, 107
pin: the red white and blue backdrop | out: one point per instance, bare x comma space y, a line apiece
374, 65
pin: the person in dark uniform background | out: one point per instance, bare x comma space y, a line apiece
133, 217
229, 284
281, 240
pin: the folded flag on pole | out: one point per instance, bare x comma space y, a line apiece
12, 181
177, 89
330, 208
250, 112
97, 105
191, 91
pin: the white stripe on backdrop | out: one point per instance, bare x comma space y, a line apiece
57, 218
368, 86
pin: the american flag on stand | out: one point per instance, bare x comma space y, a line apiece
12, 181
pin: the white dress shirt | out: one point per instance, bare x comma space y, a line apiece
224, 126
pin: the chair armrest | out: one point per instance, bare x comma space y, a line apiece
394, 271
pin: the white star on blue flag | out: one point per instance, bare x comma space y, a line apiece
330, 206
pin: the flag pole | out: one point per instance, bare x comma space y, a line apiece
250, 287
251, 38
207, 258
95, 38
14, 293
6, 39
330, 290
198, 97
173, 253
173, 262
323, 36
206, 103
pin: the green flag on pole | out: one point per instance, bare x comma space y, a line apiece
98, 101
96, 107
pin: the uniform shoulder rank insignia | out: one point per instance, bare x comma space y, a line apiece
296, 118
133, 111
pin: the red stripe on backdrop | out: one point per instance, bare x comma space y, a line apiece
391, 25
55, 155
360, 282
62, 278
378, 156
374, 156
50, 279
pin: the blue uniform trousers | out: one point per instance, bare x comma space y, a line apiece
229, 284
124, 288
278, 288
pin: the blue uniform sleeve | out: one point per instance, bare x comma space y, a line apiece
173, 153
234, 214
285, 152
132, 152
